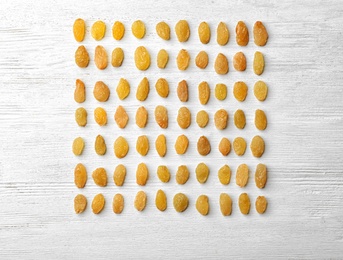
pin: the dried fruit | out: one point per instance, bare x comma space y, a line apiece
239, 61
182, 91
142, 174
221, 65
260, 34
81, 57
161, 145
123, 89
118, 30
261, 176
78, 146
100, 177
121, 147
224, 175
204, 32
242, 34
138, 29
182, 30
244, 203
240, 90
101, 91
143, 89
163, 173
220, 119
202, 118
100, 145
98, 203
182, 59
80, 175
81, 116
239, 119
140, 200
141, 117
180, 202
224, 146
225, 203
223, 34
100, 116
80, 203
142, 145
260, 119
261, 204
161, 116
242, 175
161, 200
98, 30
181, 144
80, 91
118, 203
117, 57
119, 175
257, 146
203, 146
79, 29
202, 205
182, 174
162, 87
239, 146
260, 90
202, 172
121, 117
204, 92
201, 60
163, 30
220, 91
100, 57
142, 58
258, 64
184, 117
162, 59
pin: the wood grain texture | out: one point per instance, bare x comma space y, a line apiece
304, 136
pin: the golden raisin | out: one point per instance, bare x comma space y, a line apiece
101, 91
204, 92
239, 61
100, 57
203, 146
161, 116
162, 59
181, 144
141, 117
182, 30
123, 88
78, 146
140, 200
81, 116
121, 117
239, 146
161, 145
240, 90
163, 173
260, 119
142, 58
202, 172
242, 175
80, 175
244, 203
121, 147
261, 176
161, 200
163, 30
100, 116
224, 175
257, 146
142, 145
260, 34
239, 119
180, 202
81, 57
118, 30
117, 57
223, 34
182, 59
224, 146
182, 174
118, 203
100, 145
80, 203
202, 205
162, 87
79, 29
204, 32
225, 203
143, 89
220, 119
202, 118
119, 175
242, 34
220, 91
184, 117
221, 65
142, 174
100, 177
98, 30
261, 204
258, 64
80, 91
182, 91
98, 203
260, 90
138, 29
201, 60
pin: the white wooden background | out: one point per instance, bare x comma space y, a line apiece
304, 138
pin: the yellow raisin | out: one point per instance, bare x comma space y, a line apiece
161, 145
221, 64
121, 147
204, 92
80, 203
162, 87
260, 119
224, 175
99, 176
225, 203
142, 58
240, 90
140, 200
202, 172
261, 176
261, 204
100, 145
201, 60
100, 57
182, 59
202, 205
239, 146
181, 144
239, 61
100, 116
180, 202
220, 91
142, 174
81, 57
141, 117
203, 146
118, 30
138, 29
204, 32
161, 200
182, 30
260, 34
161, 116
242, 175
119, 175
81, 116
182, 174
98, 30
118, 203
257, 146
239, 119
182, 91
242, 34
223, 34
123, 89
143, 89
260, 90
98, 203
163, 30
163, 173
202, 118
121, 117
258, 64
220, 119
80, 91
142, 145
184, 117
244, 203
162, 59
80, 175
117, 57
79, 29
101, 91
224, 146
78, 146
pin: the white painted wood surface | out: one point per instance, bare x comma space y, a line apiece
304, 137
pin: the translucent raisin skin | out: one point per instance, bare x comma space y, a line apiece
204, 32
223, 34
142, 58
260, 34
242, 34
98, 30
118, 30
81, 57
79, 29
138, 29
163, 30
182, 30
